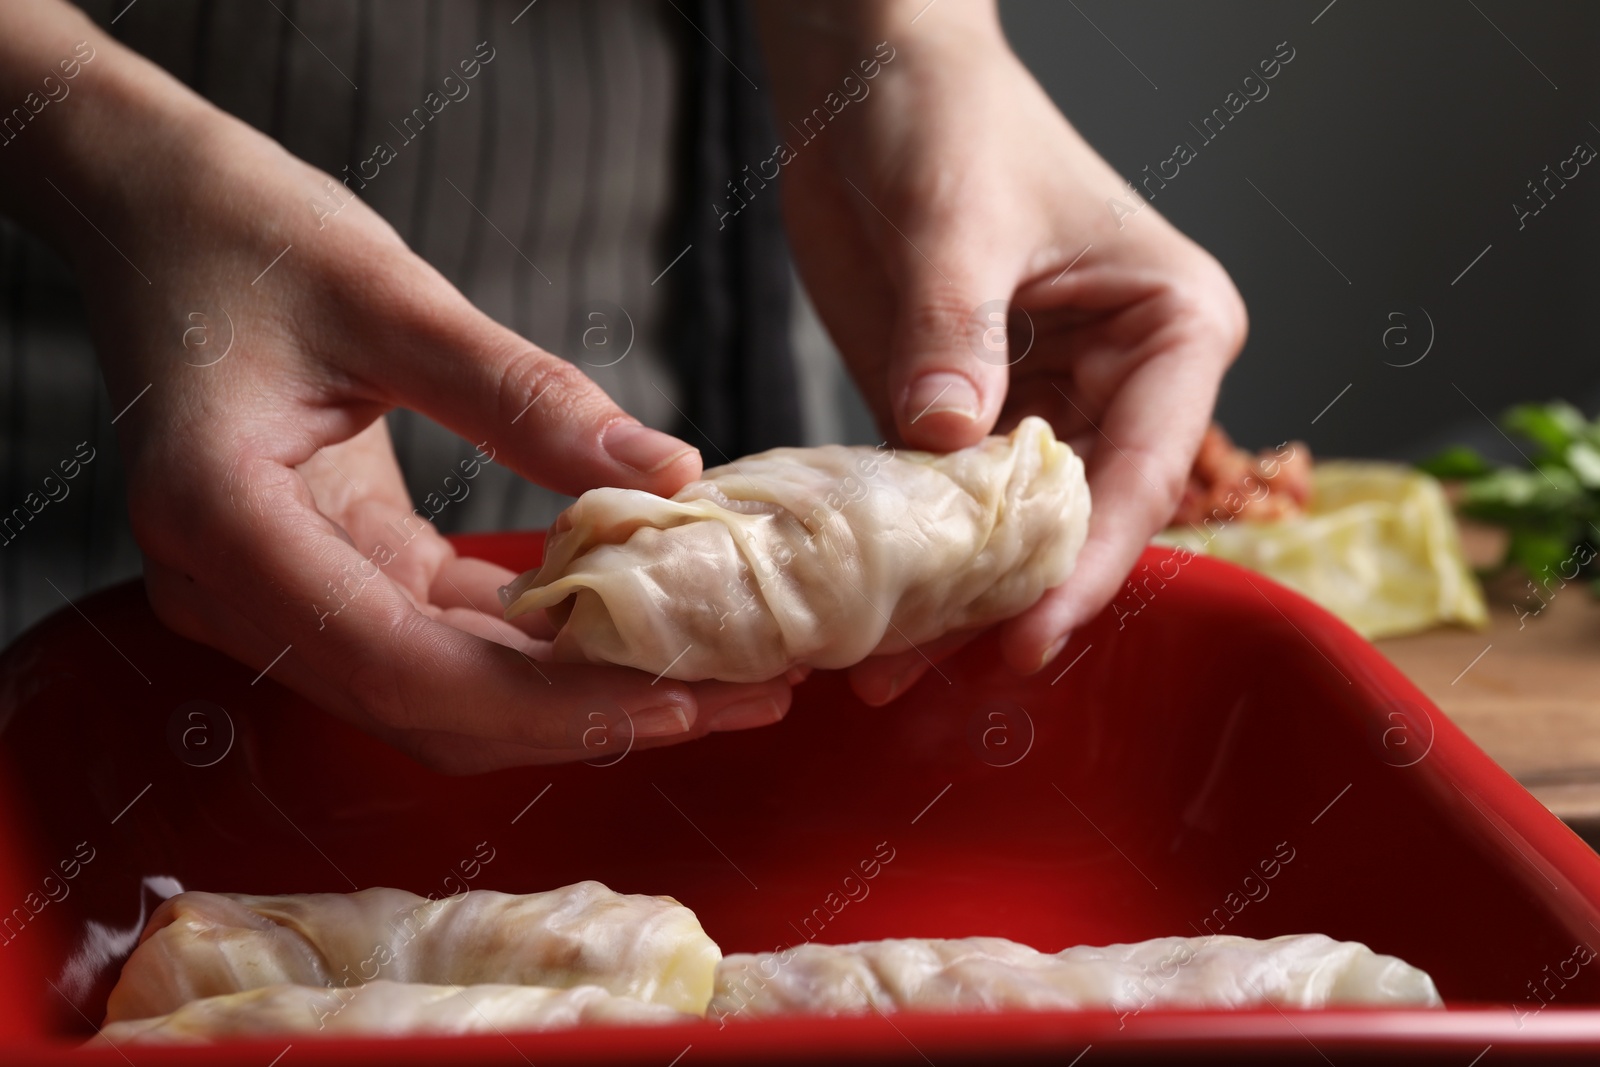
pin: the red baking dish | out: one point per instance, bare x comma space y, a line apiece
1142, 786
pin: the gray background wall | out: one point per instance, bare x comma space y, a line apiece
1397, 140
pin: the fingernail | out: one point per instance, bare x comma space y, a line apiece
664, 721
900, 683
762, 711
645, 450
1054, 650
941, 392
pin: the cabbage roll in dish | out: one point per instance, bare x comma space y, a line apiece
204, 944
993, 974
385, 1009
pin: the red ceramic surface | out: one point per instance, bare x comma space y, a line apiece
1142, 786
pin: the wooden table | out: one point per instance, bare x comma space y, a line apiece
1527, 689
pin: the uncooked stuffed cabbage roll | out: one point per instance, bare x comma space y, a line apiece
204, 944
992, 974
810, 556
385, 1009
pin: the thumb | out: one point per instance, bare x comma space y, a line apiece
949, 360
541, 415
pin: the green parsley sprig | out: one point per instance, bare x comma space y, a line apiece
1551, 508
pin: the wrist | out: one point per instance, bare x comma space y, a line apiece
851, 23
117, 124
810, 46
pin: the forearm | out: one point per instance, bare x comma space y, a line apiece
84, 122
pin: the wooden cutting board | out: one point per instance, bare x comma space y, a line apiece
1527, 689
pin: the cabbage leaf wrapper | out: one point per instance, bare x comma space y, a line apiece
814, 557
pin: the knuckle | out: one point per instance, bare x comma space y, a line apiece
375, 272
1211, 303
385, 300
534, 377
939, 319
1233, 320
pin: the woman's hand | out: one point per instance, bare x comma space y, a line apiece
976, 261
262, 486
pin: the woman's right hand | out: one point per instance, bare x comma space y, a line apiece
262, 487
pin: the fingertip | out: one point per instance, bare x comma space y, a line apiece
649, 458
682, 469
941, 392
1035, 638
942, 432
668, 719
872, 691
942, 411
878, 684
725, 706
1053, 651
